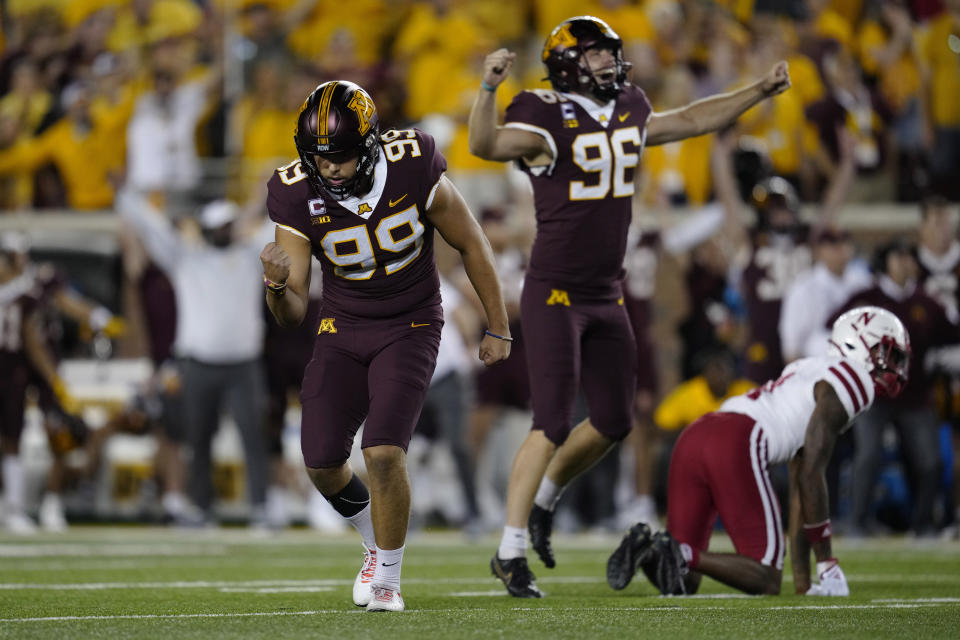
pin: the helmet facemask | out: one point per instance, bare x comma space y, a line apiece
890, 365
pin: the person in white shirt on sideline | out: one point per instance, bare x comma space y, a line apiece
217, 282
816, 294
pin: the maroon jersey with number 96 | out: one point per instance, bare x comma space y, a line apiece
583, 198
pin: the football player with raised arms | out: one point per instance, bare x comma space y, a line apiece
580, 144
366, 204
720, 467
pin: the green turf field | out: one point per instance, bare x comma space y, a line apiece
135, 582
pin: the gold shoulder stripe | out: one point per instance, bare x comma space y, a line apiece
295, 232
324, 109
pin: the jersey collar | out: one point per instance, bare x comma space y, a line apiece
371, 199
942, 263
602, 113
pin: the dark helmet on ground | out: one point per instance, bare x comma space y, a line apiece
563, 55
339, 121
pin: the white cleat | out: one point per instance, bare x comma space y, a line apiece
19, 524
362, 594
385, 599
51, 515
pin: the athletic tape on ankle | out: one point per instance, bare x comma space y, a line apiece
817, 532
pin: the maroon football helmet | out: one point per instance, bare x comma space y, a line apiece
563, 55
339, 121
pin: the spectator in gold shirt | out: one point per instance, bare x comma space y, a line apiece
940, 51
703, 393
79, 145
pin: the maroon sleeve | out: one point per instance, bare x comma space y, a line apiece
434, 164
529, 108
288, 197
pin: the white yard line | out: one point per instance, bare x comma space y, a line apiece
220, 584
466, 580
87, 550
658, 609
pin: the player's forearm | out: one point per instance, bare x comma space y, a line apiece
289, 309
479, 266
715, 112
37, 352
815, 506
796, 537
482, 128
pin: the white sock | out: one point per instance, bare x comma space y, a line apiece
13, 483
387, 573
363, 523
513, 544
548, 493
174, 503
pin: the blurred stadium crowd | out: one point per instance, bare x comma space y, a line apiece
188, 102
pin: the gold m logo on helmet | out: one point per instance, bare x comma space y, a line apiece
558, 296
363, 106
326, 326
561, 37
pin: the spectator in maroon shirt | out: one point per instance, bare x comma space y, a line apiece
911, 413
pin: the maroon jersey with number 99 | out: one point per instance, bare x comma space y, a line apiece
376, 251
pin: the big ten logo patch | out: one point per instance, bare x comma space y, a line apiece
558, 296
327, 326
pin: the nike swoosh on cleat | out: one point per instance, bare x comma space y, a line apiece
419, 324
394, 203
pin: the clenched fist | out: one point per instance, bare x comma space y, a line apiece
496, 66
777, 80
493, 350
276, 263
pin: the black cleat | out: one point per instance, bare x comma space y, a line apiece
516, 577
540, 526
634, 550
670, 569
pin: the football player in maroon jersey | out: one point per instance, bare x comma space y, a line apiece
580, 144
366, 204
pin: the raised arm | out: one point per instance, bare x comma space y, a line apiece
286, 265
449, 214
841, 180
486, 138
156, 232
717, 111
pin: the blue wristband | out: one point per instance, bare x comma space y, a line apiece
493, 335
487, 87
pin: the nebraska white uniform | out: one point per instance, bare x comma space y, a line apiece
720, 463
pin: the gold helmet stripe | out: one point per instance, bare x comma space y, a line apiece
324, 109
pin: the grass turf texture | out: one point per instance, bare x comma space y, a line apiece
134, 582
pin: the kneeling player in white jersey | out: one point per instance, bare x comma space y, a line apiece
719, 467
